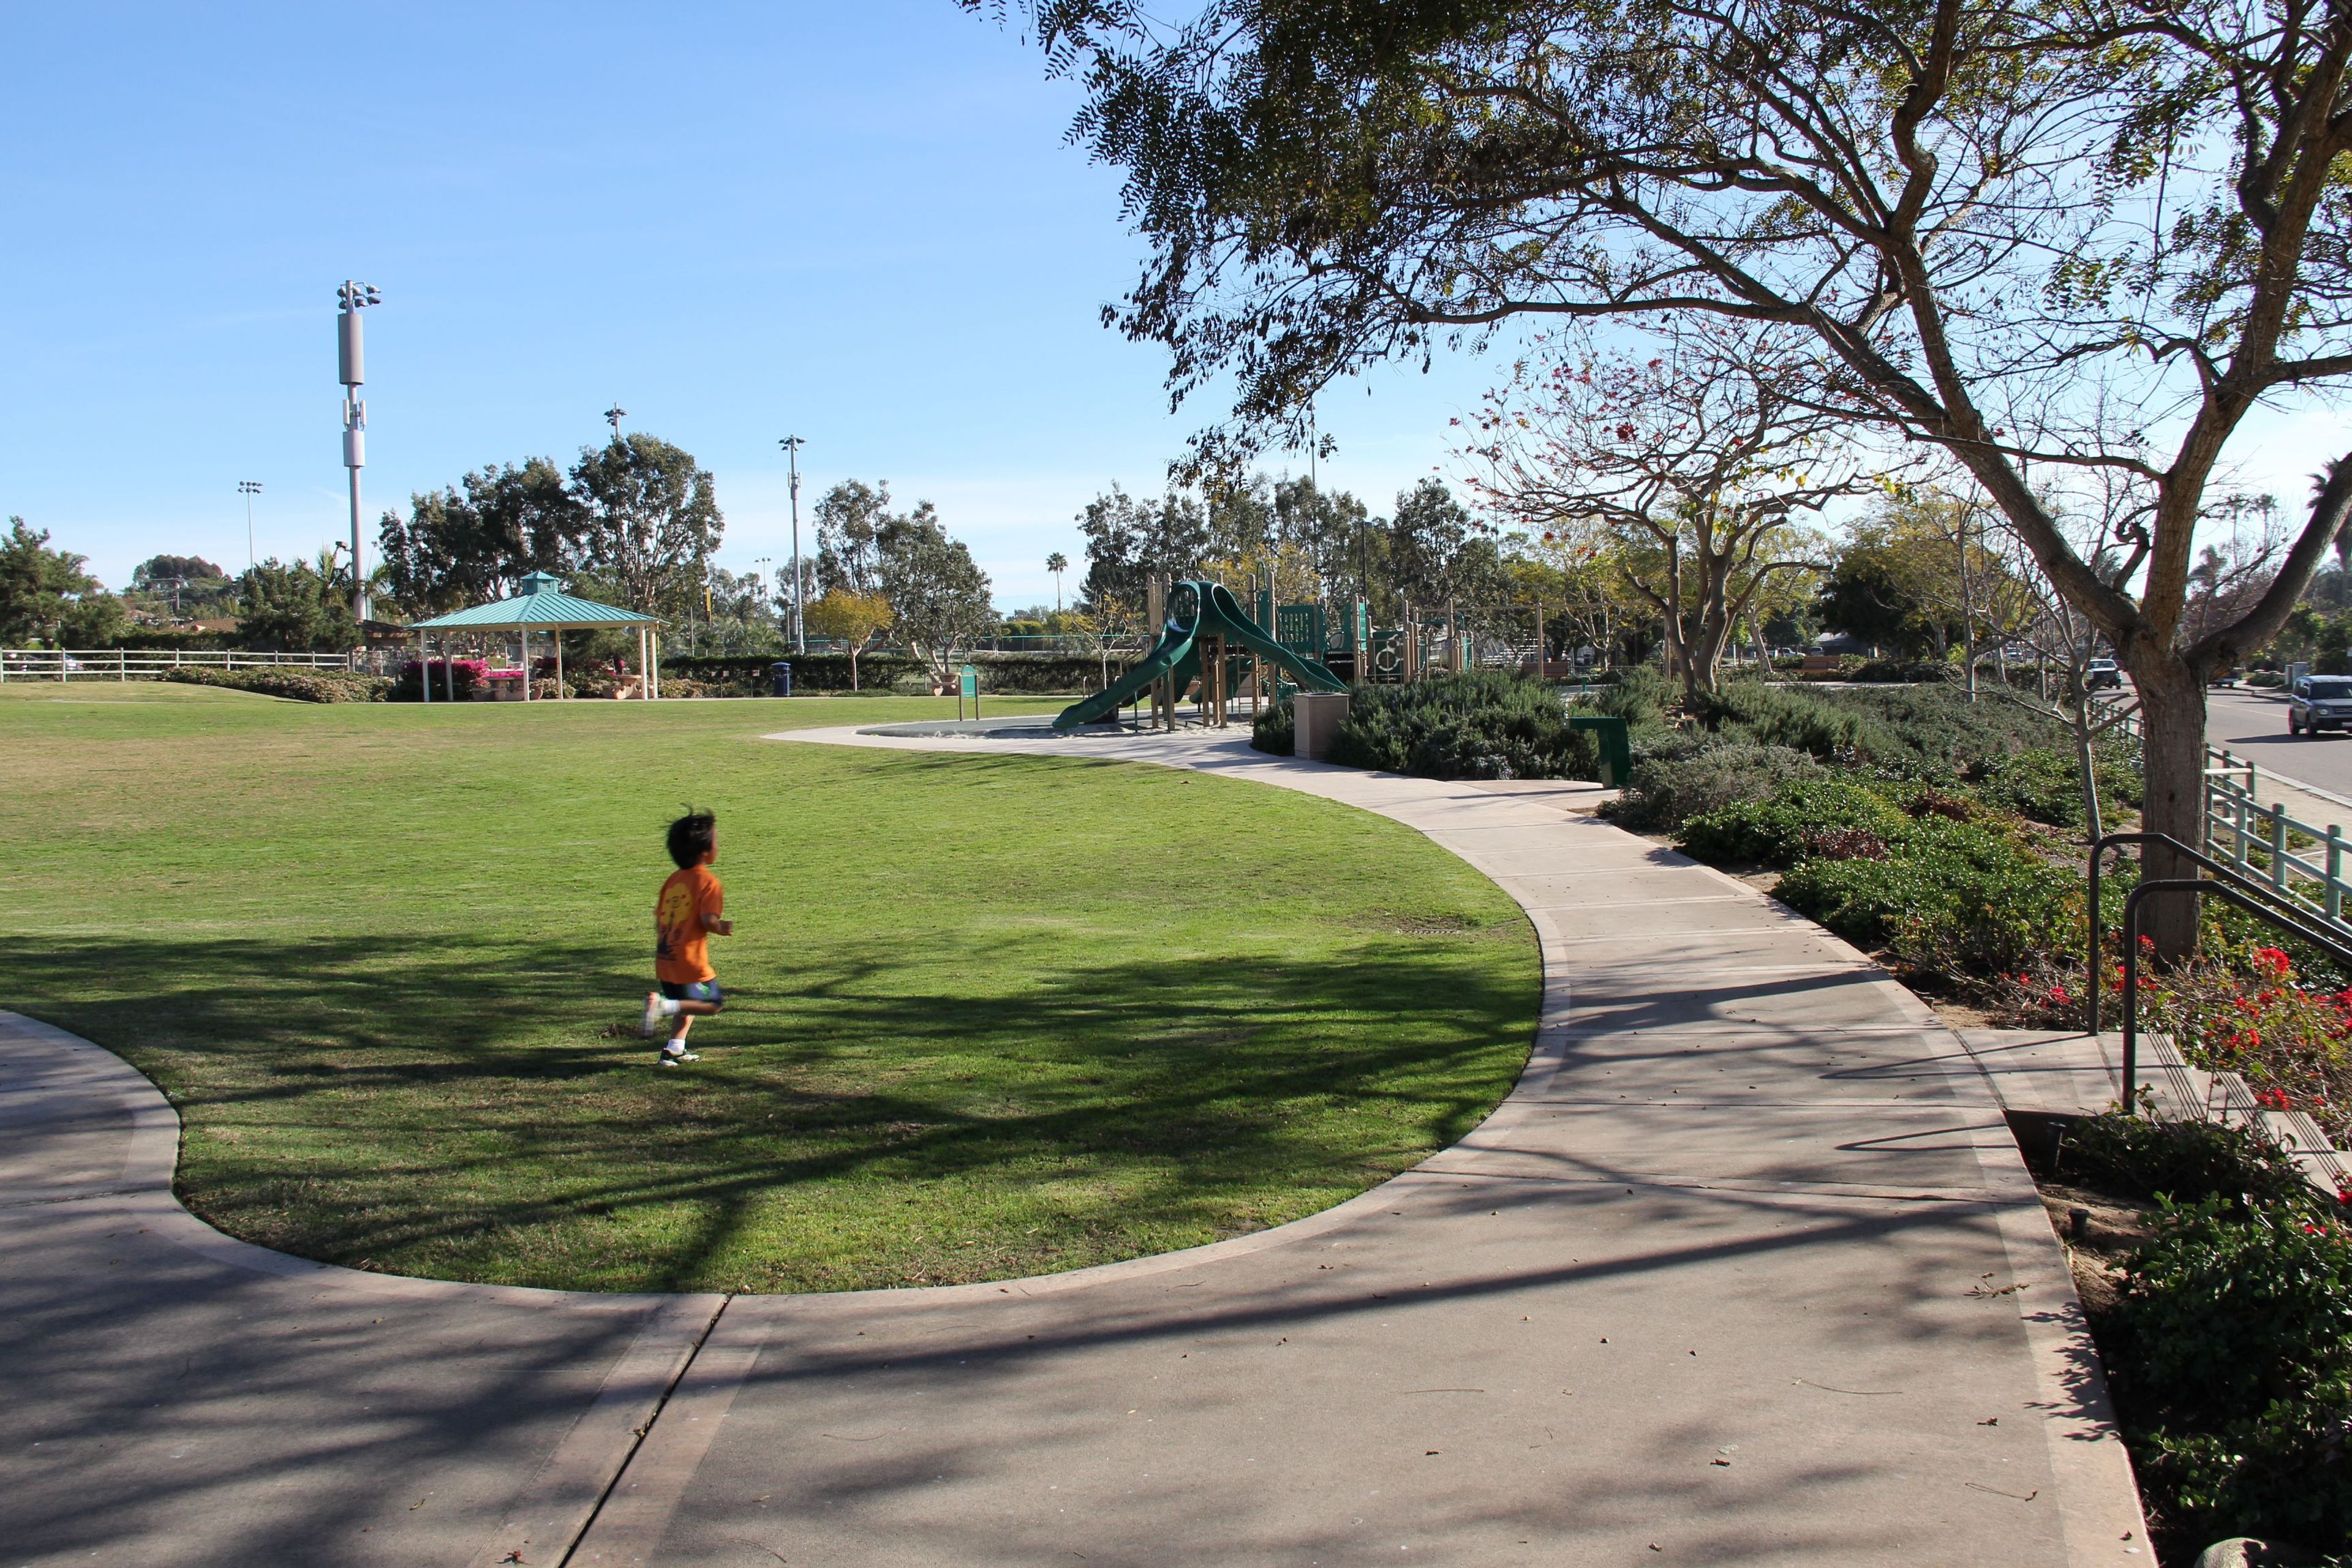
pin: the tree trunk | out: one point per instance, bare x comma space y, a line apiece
2172, 751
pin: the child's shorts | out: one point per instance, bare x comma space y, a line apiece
699, 991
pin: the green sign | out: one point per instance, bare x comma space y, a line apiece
971, 683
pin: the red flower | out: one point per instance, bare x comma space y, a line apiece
2272, 959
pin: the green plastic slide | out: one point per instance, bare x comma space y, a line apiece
1195, 610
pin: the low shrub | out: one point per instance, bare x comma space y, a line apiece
2283, 1475
2230, 1352
1902, 671
1640, 697
1276, 730
1487, 724
1809, 721
2039, 784
2183, 1161
1673, 784
1772, 831
300, 685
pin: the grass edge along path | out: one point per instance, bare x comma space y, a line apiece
991, 1016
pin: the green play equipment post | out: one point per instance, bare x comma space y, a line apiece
1202, 618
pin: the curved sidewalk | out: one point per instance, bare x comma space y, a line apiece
1746, 1269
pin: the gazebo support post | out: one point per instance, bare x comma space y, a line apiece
423, 669
523, 634
448, 668
641, 664
558, 635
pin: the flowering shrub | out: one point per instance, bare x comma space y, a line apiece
469, 672
2241, 1011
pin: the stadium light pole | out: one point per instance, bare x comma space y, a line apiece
249, 488
351, 369
792, 446
766, 563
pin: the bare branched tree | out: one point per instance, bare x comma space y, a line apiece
1696, 468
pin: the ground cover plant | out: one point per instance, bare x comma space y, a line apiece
989, 1015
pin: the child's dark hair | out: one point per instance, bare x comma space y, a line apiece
691, 838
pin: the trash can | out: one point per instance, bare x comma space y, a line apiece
780, 678
1316, 718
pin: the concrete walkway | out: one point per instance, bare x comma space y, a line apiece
1746, 1270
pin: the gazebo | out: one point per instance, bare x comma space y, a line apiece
542, 606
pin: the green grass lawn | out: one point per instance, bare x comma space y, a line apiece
989, 1016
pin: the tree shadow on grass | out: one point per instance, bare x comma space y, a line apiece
481, 1110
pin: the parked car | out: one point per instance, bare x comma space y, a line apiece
2224, 678
2317, 703
2101, 675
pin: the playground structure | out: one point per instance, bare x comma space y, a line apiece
1204, 636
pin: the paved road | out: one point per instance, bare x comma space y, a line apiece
1746, 1270
2254, 725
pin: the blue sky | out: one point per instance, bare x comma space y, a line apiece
859, 224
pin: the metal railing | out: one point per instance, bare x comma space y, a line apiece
122, 664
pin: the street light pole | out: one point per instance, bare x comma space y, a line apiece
249, 488
352, 371
792, 446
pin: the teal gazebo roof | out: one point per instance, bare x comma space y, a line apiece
542, 603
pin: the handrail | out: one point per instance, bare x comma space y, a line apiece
2202, 887
2099, 848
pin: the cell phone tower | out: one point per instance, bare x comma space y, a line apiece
351, 369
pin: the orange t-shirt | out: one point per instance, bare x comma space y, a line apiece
681, 947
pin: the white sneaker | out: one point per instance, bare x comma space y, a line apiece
671, 1059
653, 1019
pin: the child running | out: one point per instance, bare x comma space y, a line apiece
685, 917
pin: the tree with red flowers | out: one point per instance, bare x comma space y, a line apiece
1692, 470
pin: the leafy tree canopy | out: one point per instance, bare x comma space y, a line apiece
167, 568
637, 516
45, 592
298, 607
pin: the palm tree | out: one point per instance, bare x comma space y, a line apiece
1057, 564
